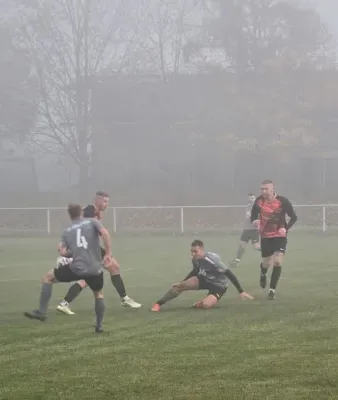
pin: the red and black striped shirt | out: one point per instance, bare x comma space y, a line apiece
272, 215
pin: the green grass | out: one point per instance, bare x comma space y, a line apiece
286, 349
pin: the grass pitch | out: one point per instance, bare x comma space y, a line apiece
285, 349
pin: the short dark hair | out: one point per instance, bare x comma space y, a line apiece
101, 193
197, 243
267, 182
251, 194
74, 211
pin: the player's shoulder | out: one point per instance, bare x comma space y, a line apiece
283, 199
212, 257
258, 199
92, 222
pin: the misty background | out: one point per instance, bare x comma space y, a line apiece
185, 102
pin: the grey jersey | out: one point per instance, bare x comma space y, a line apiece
248, 224
83, 240
212, 269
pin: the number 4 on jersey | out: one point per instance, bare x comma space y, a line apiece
81, 240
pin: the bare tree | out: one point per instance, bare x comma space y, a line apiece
264, 43
71, 41
165, 28
252, 34
18, 89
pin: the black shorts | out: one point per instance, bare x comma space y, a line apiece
65, 274
269, 246
214, 290
250, 235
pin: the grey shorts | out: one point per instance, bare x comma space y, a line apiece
250, 235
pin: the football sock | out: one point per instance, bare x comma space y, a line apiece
263, 269
276, 272
73, 292
99, 311
45, 295
119, 285
170, 295
240, 252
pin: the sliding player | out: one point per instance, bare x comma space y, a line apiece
208, 273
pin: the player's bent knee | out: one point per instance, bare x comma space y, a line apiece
98, 294
209, 301
49, 277
278, 259
82, 283
113, 267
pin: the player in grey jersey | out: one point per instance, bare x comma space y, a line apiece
208, 273
82, 240
249, 233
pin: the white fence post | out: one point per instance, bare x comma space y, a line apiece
114, 220
182, 220
41, 218
48, 221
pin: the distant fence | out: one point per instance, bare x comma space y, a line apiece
175, 220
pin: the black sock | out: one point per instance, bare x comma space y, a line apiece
73, 292
276, 272
46, 293
263, 270
119, 285
99, 311
170, 295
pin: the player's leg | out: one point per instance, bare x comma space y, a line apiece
212, 298
71, 295
73, 291
96, 285
117, 281
244, 240
278, 258
62, 274
267, 251
188, 284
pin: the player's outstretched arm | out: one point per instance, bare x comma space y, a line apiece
106, 241
233, 279
103, 232
192, 273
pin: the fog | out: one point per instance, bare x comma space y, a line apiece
161, 103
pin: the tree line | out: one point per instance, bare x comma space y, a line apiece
281, 57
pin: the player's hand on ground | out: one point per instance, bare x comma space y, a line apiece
282, 231
246, 296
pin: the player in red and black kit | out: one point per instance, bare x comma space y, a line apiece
95, 211
269, 214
